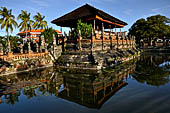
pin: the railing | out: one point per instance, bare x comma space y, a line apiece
21, 56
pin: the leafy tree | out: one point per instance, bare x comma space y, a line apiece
48, 35
39, 21
7, 21
150, 29
15, 42
26, 23
4, 43
84, 28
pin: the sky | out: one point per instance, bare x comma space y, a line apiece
127, 10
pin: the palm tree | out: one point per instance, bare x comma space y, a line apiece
39, 21
26, 23
7, 21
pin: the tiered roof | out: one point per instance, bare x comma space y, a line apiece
88, 13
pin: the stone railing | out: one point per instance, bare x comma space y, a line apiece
21, 56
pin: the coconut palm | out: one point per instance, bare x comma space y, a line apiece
7, 21
39, 21
26, 23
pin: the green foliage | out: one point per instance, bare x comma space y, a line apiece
15, 41
4, 43
148, 71
39, 21
8, 20
26, 22
86, 30
150, 29
48, 35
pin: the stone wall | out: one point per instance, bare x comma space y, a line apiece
95, 55
27, 62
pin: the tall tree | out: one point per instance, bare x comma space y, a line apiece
152, 28
7, 21
40, 23
26, 23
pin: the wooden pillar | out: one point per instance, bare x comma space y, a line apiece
110, 37
121, 35
117, 38
94, 25
102, 35
80, 38
92, 37
69, 35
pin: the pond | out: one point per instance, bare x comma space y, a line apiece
139, 86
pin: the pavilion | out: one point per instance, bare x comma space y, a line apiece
90, 15
103, 25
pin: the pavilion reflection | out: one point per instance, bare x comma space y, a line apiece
90, 90
94, 90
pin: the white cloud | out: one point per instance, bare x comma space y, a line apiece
161, 9
128, 12
32, 9
41, 3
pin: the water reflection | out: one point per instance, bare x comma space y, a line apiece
90, 89
87, 88
152, 70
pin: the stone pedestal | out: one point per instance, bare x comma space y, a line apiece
30, 52
10, 54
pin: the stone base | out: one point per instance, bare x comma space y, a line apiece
10, 54
30, 52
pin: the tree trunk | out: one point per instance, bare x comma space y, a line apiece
9, 44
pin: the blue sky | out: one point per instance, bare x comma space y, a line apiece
126, 10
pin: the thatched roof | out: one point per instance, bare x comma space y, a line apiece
87, 13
